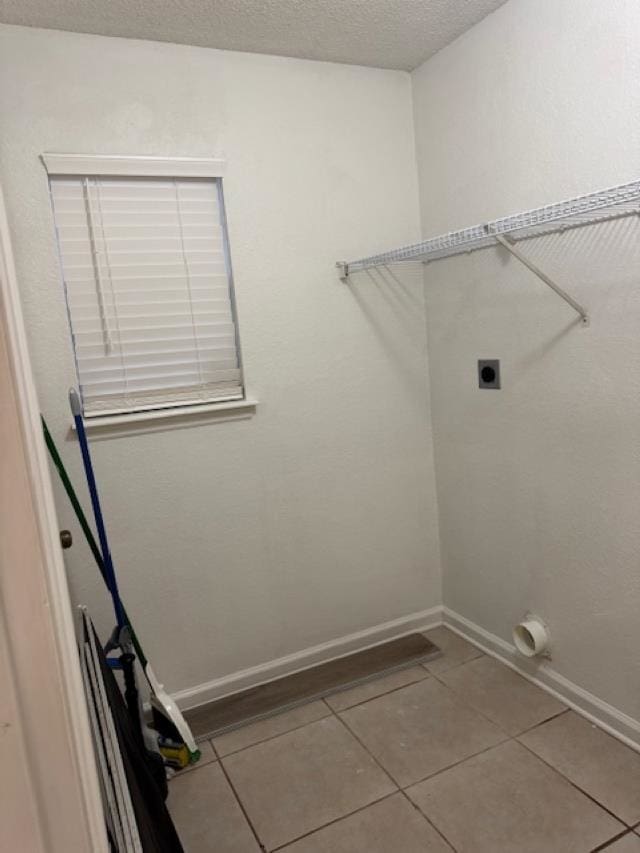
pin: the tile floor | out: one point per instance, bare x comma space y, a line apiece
460, 754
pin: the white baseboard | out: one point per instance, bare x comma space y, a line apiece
610, 719
191, 697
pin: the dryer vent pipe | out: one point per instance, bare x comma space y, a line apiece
531, 636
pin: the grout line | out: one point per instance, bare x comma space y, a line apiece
457, 763
334, 821
465, 704
611, 841
428, 820
368, 751
576, 786
455, 665
191, 768
241, 805
384, 770
543, 722
271, 737
378, 695
474, 708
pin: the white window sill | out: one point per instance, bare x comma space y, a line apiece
159, 420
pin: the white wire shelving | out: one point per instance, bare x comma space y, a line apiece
612, 203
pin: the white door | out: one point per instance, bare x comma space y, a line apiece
49, 791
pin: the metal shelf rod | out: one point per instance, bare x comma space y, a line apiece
508, 245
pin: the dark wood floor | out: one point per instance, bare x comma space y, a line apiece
267, 699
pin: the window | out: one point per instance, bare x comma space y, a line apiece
147, 275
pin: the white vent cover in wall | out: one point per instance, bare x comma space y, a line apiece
147, 277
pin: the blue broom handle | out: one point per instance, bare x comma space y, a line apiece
112, 583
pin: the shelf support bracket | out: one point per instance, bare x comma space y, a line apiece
343, 271
507, 244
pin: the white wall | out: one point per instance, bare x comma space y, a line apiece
241, 542
539, 484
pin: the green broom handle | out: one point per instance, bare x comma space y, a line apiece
75, 503
84, 524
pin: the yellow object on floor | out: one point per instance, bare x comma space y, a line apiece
176, 754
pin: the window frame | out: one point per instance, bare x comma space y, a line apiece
136, 166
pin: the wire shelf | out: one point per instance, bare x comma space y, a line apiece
612, 203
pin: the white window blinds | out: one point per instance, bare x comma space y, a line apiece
148, 286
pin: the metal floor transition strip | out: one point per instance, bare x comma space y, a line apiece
282, 694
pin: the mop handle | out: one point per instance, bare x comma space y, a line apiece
110, 574
84, 524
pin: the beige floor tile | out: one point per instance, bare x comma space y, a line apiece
265, 729
501, 694
419, 729
207, 755
376, 687
391, 825
454, 650
207, 815
301, 780
628, 844
606, 769
507, 800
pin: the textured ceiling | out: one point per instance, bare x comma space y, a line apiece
382, 33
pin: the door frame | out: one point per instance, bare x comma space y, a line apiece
50, 729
